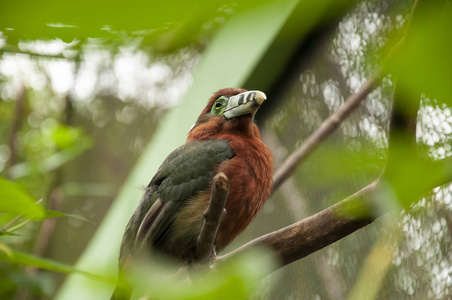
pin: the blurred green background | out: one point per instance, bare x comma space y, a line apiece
94, 95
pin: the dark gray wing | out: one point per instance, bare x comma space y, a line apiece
184, 173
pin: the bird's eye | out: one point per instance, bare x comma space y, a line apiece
218, 106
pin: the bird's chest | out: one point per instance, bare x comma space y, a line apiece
250, 178
250, 174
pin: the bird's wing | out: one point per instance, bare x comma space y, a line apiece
184, 173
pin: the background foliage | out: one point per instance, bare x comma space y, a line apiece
88, 90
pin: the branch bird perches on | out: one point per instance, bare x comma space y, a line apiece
291, 243
301, 239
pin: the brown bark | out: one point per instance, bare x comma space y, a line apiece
315, 232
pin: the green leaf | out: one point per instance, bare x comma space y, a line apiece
50, 163
403, 179
22, 258
6, 250
56, 214
235, 279
8, 233
66, 137
422, 64
17, 257
14, 199
370, 280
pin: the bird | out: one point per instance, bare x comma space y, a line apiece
170, 216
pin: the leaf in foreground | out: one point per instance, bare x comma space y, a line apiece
14, 199
18, 257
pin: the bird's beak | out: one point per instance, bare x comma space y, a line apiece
244, 103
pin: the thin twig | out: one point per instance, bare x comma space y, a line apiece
324, 130
20, 225
212, 217
10, 222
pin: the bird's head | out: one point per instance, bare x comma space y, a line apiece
228, 110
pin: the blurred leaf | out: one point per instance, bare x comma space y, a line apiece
8, 233
22, 258
53, 214
56, 214
14, 199
422, 64
6, 250
378, 262
167, 25
236, 279
404, 177
67, 137
332, 165
41, 286
52, 162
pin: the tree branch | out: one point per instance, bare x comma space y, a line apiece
304, 237
317, 231
332, 224
324, 130
212, 217
326, 227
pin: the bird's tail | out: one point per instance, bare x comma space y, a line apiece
122, 291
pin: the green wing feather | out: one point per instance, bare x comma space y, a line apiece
184, 173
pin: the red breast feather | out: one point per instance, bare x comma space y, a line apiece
250, 172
